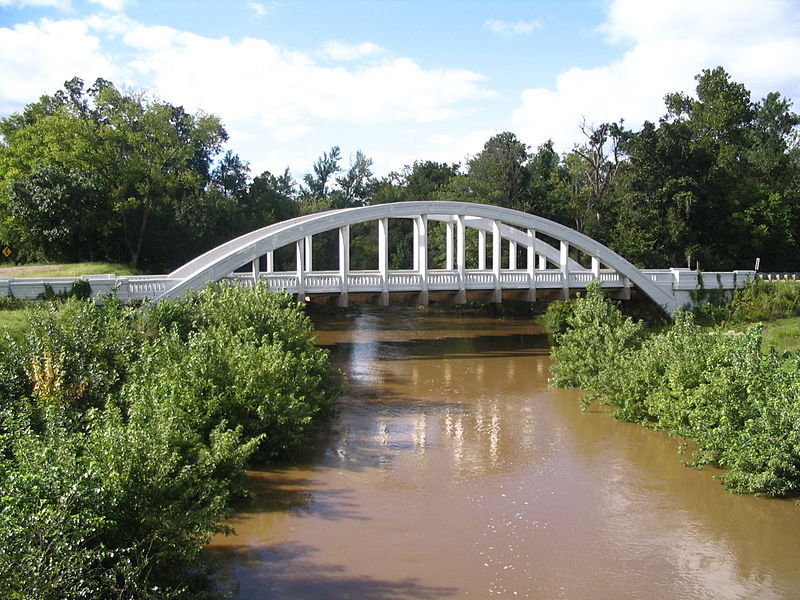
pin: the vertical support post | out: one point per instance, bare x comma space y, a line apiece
512, 255
626, 289
300, 251
449, 246
422, 256
256, 268
497, 254
270, 262
309, 260
531, 264
563, 262
461, 259
383, 260
542, 262
481, 250
595, 268
415, 249
344, 264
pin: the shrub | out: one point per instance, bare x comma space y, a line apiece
597, 337
741, 406
557, 315
124, 433
762, 300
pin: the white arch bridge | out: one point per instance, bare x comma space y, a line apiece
537, 262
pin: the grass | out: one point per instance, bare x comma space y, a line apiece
67, 270
14, 320
783, 334
14, 313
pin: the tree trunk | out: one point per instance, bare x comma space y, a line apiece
135, 246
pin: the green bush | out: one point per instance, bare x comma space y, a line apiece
557, 315
125, 432
10, 303
763, 300
596, 338
219, 374
89, 347
717, 388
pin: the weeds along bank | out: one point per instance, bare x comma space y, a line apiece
124, 434
738, 402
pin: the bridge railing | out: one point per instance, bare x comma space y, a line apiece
329, 282
681, 282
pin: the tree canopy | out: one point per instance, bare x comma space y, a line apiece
99, 173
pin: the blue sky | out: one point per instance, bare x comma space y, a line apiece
398, 80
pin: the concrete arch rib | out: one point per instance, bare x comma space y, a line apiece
221, 261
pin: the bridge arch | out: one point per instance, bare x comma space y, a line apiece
516, 227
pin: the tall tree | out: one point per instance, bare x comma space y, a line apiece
357, 185
156, 156
273, 198
144, 159
713, 178
496, 175
314, 195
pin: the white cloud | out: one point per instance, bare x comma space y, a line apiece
259, 10
113, 5
64, 5
257, 80
506, 29
667, 46
39, 58
337, 51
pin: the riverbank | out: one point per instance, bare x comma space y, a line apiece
718, 387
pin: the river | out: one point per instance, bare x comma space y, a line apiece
453, 470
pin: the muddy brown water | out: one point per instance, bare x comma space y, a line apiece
454, 471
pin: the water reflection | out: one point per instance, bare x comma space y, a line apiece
453, 471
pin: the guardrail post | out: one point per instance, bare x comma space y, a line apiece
309, 254
595, 268
684, 282
299, 248
256, 265
270, 262
449, 246
481, 250
415, 245
123, 289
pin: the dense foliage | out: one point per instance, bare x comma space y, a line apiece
124, 434
102, 174
765, 300
737, 402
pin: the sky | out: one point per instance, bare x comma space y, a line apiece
398, 80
